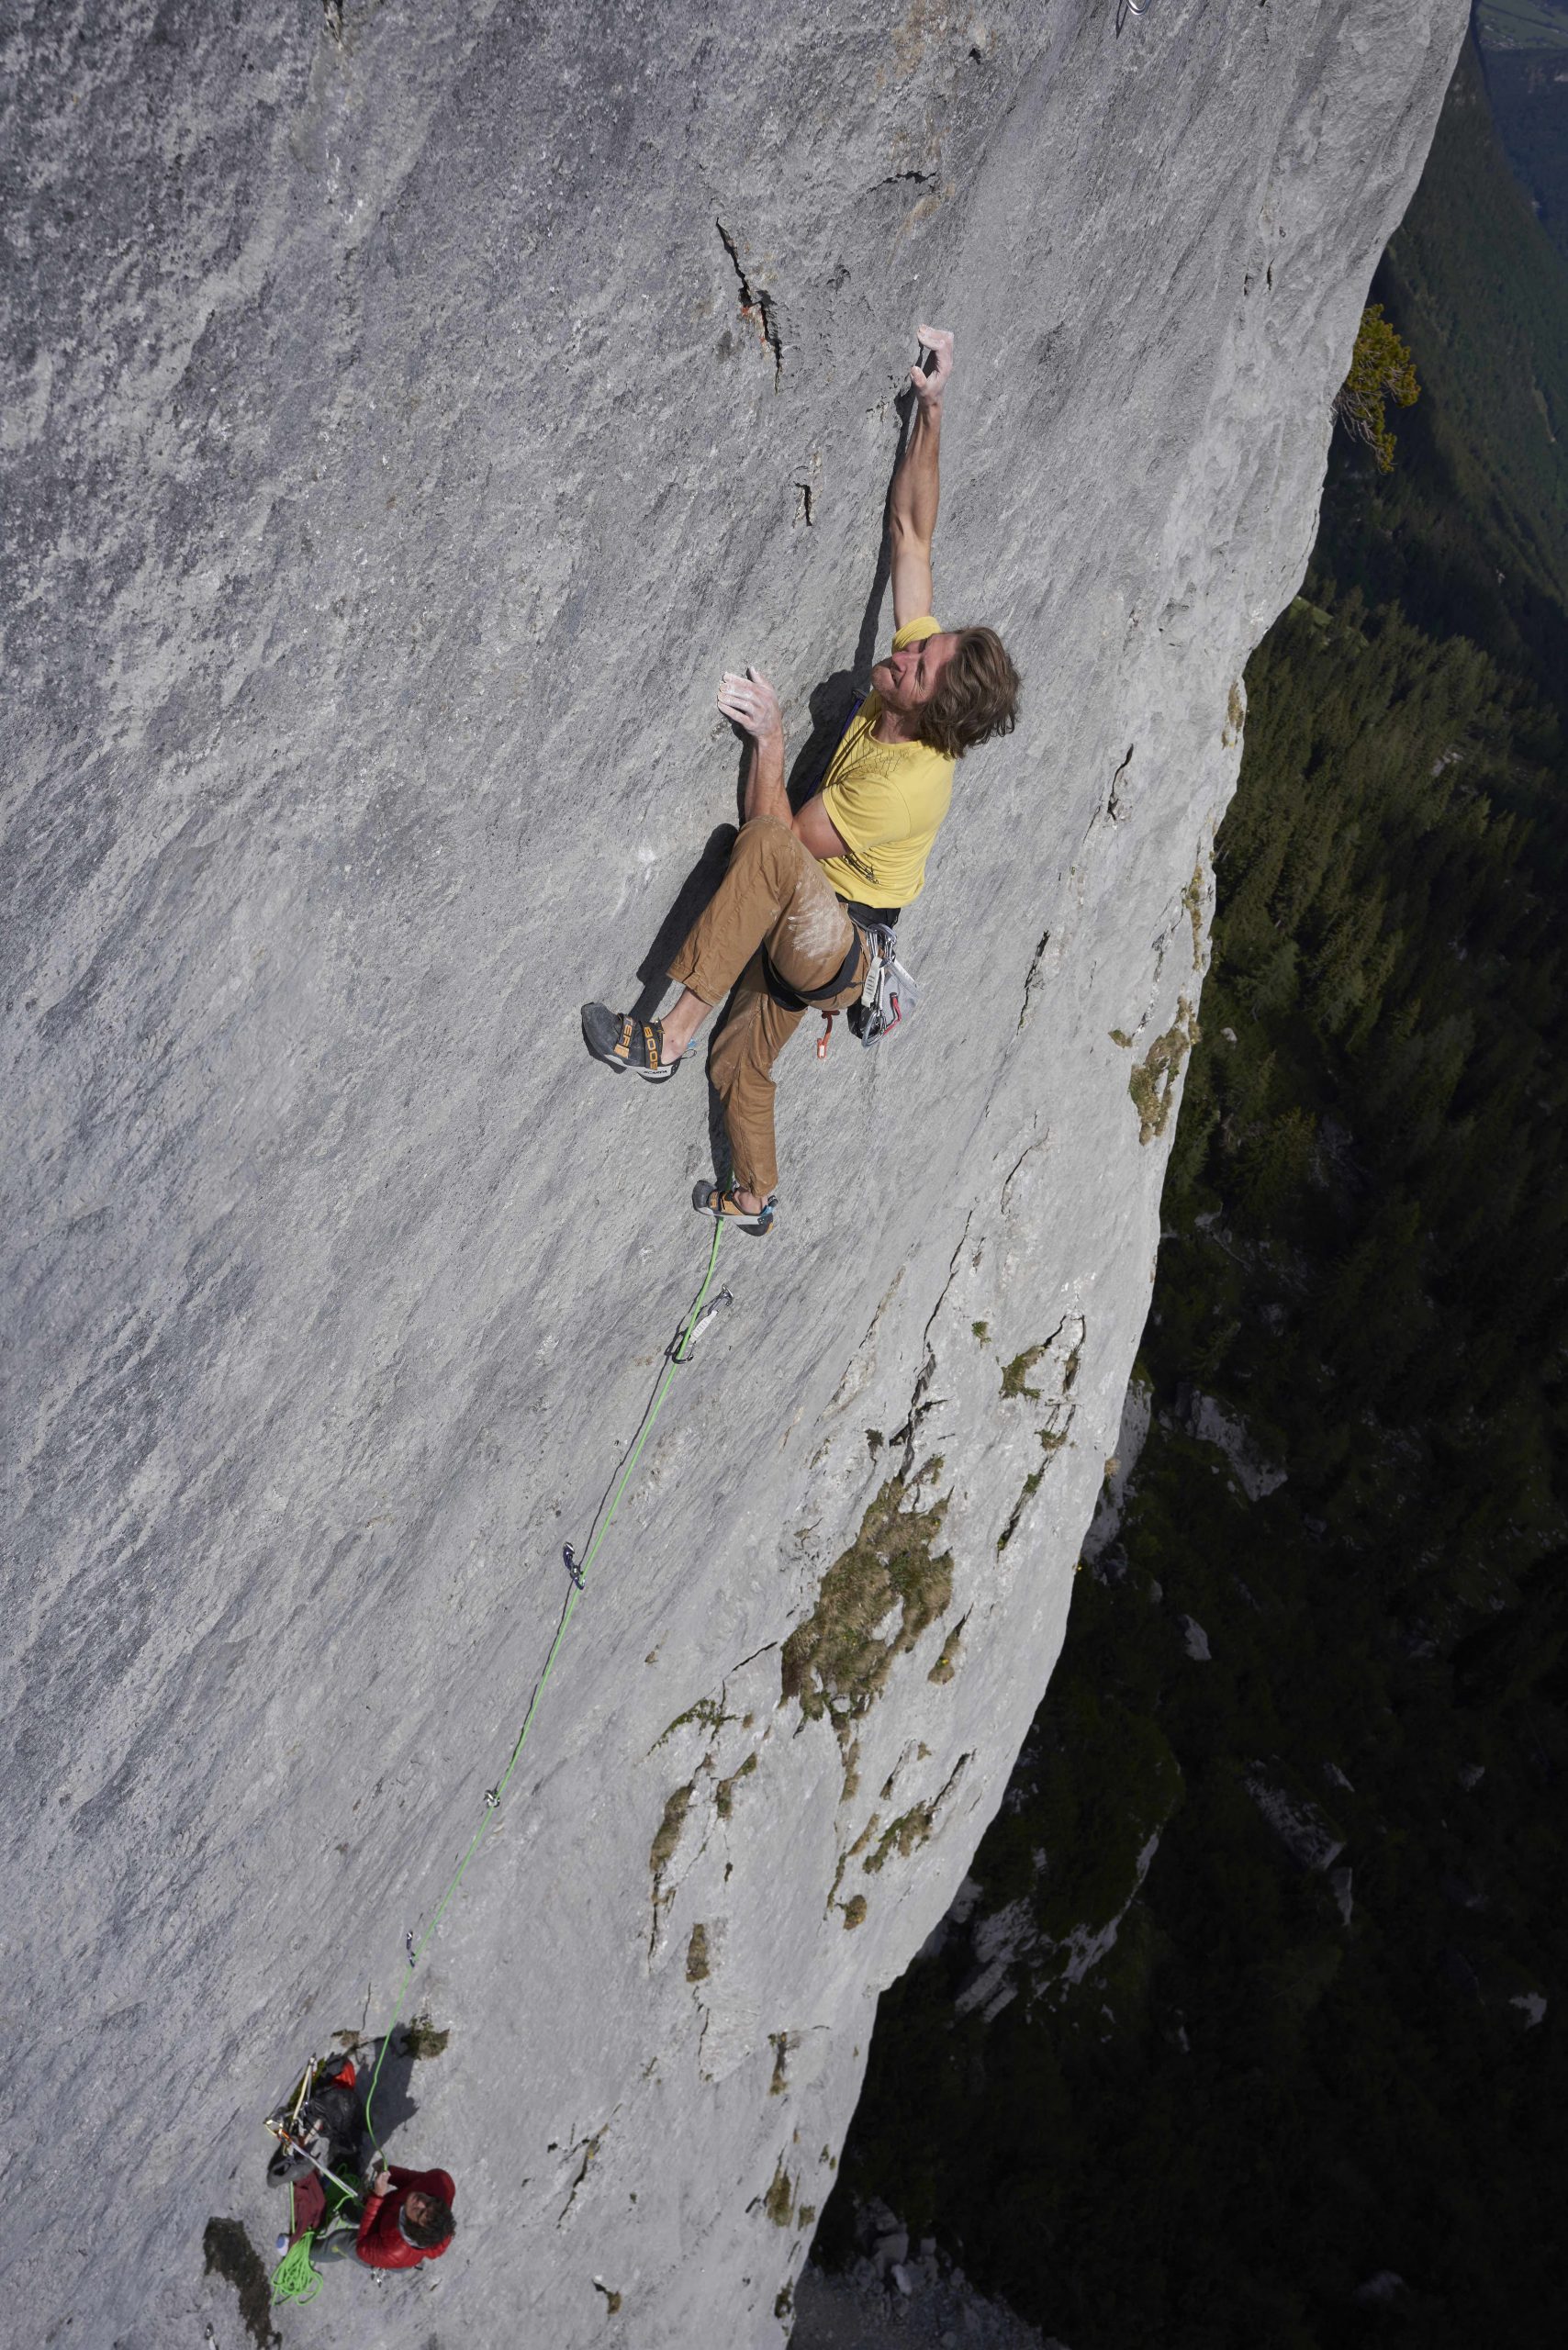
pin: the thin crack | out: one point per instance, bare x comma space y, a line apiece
929, 1368
758, 307
1032, 974
591, 2147
1112, 810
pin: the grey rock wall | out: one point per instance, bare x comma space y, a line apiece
412, 409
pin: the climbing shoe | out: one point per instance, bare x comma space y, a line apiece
712, 1198
620, 1041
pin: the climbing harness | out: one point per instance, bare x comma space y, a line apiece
698, 1318
886, 999
801, 999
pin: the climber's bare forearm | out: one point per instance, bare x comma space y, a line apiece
750, 704
917, 486
765, 792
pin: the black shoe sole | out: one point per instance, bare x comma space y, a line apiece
609, 1059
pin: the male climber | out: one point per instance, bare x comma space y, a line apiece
785, 920
406, 2217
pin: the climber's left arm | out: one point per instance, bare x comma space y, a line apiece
913, 497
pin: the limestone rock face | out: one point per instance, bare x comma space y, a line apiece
414, 408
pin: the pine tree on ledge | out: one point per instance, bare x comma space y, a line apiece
1381, 369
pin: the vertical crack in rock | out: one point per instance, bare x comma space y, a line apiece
1114, 808
1059, 1412
590, 2156
1030, 976
759, 309
921, 1402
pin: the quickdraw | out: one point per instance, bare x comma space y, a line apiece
686, 1337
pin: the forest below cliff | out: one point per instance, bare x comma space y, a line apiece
1249, 2030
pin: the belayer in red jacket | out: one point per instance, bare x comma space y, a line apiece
406, 2218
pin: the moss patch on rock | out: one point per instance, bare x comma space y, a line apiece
946, 1664
1015, 1377
1153, 1082
696, 1969
1193, 907
725, 1792
662, 1850
903, 1836
707, 1711
837, 1660
780, 2201
422, 2040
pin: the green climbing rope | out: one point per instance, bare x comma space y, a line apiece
679, 1353
293, 2278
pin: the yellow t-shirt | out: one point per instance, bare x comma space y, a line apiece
886, 801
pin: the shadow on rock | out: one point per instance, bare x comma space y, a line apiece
689, 900
395, 2103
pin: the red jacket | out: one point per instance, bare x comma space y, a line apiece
381, 2243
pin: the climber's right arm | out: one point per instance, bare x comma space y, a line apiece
912, 499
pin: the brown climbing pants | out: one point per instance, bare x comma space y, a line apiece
774, 895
